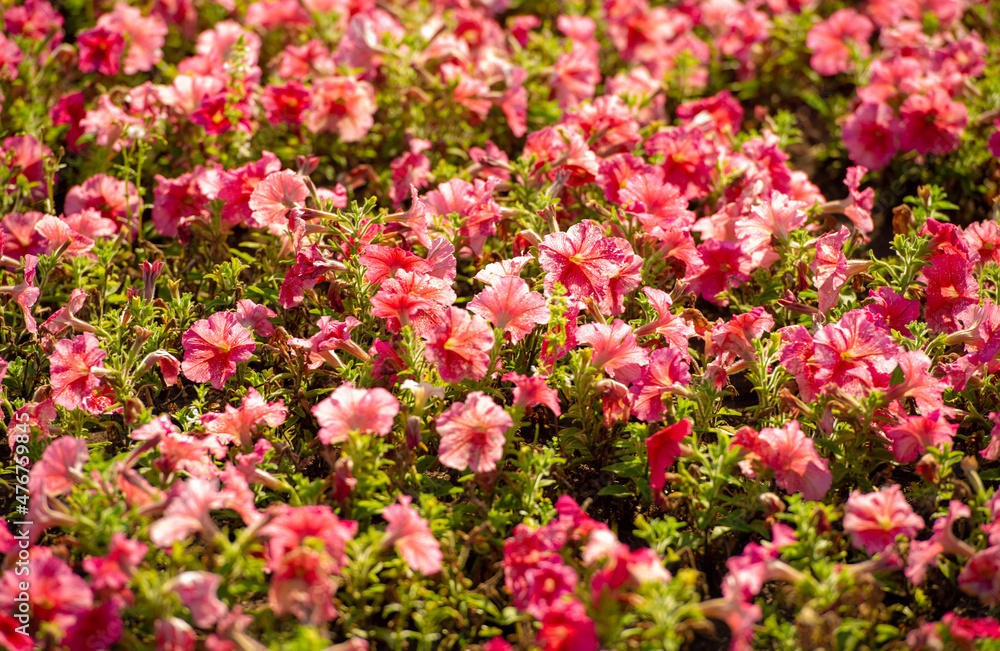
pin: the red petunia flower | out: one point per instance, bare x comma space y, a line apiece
381, 262
951, 291
213, 347
473, 433
419, 300
460, 347
100, 50
662, 449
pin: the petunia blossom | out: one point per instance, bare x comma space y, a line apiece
581, 259
874, 520
473, 433
511, 306
412, 537
240, 424
616, 351
72, 367
460, 347
662, 448
274, 196
213, 347
349, 409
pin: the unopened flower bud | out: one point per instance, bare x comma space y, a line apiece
927, 468
772, 503
343, 481
413, 437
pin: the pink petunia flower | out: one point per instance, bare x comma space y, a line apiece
831, 269
26, 294
411, 534
146, 36
874, 520
236, 186
255, 317
188, 512
72, 367
240, 424
914, 434
198, 591
510, 306
460, 347
951, 290
473, 203
342, 105
114, 570
274, 196
419, 300
924, 553
918, 384
175, 634
791, 455
892, 311
292, 526
616, 351
60, 467
581, 259
662, 448
981, 576
674, 329
831, 41
871, 135
853, 354
722, 265
55, 593
349, 410
473, 433
773, 220
213, 347
933, 122
733, 340
532, 391
667, 370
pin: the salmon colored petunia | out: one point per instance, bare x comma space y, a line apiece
213, 347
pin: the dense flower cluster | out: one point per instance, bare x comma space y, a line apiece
481, 325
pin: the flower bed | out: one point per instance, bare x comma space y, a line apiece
492, 325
